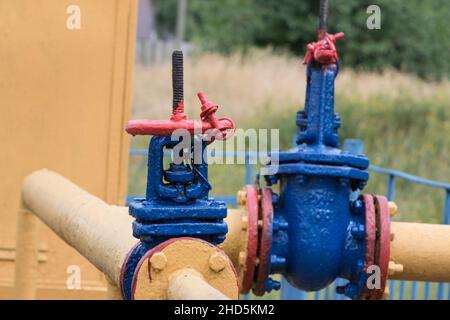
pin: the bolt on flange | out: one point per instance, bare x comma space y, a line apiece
158, 261
392, 208
217, 262
394, 268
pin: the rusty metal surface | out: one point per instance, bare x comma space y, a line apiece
252, 243
265, 241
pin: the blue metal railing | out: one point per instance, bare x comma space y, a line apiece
288, 292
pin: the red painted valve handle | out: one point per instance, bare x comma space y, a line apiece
324, 50
221, 128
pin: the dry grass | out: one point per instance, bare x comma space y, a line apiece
244, 87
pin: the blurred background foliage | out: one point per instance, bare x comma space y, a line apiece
413, 37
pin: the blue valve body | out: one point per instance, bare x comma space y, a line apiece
325, 234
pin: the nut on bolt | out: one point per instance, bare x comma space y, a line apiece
386, 293
242, 197
394, 268
242, 258
244, 222
392, 236
272, 285
358, 207
217, 262
392, 208
158, 261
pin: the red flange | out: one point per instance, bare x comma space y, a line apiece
371, 230
252, 238
265, 241
371, 238
384, 242
377, 241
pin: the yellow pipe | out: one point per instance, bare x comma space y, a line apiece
100, 232
422, 249
236, 239
26, 266
188, 284
113, 292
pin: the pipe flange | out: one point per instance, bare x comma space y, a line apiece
155, 268
248, 269
383, 242
265, 241
128, 267
378, 236
371, 230
371, 235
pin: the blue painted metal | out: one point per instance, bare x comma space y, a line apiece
177, 201
289, 292
354, 146
426, 292
129, 267
448, 292
327, 293
410, 177
177, 204
441, 286
248, 170
317, 295
229, 200
402, 290
414, 290
391, 290
441, 291
391, 188
447, 207
316, 180
339, 283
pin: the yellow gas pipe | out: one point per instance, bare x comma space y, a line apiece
188, 284
422, 249
101, 233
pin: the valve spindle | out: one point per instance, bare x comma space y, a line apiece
323, 17
177, 82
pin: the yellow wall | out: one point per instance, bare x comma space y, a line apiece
64, 101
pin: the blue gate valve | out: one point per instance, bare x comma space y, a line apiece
314, 232
177, 202
324, 234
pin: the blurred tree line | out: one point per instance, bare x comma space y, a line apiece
414, 35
